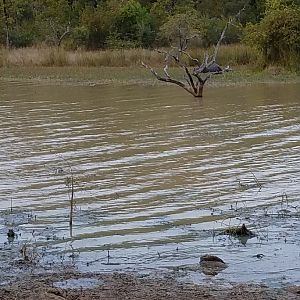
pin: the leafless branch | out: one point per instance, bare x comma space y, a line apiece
228, 23
219, 43
195, 60
196, 79
169, 79
166, 71
67, 31
190, 78
58, 36
206, 57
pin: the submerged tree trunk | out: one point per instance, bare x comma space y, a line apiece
199, 92
194, 82
195, 78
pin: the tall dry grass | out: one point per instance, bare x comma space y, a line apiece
228, 55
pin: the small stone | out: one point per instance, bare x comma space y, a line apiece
211, 264
211, 258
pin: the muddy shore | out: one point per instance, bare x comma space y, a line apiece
129, 286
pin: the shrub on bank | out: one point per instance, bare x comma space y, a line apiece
277, 36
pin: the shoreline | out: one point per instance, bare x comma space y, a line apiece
25, 275
73, 285
95, 76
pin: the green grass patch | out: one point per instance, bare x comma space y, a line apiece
137, 75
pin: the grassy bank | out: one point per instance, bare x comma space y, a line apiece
241, 75
53, 57
124, 66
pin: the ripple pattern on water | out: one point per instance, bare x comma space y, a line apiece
153, 168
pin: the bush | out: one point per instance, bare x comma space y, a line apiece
277, 36
134, 24
94, 29
180, 26
21, 39
207, 30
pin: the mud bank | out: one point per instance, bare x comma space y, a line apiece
127, 286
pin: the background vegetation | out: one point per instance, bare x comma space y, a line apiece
272, 27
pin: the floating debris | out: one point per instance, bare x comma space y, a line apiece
241, 231
58, 171
11, 234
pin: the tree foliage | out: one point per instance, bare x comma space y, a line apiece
95, 24
133, 25
277, 35
179, 26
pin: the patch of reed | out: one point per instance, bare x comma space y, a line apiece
232, 55
114, 58
55, 57
45, 56
2, 57
35, 57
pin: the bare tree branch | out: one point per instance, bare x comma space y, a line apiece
67, 31
166, 71
219, 43
58, 36
169, 79
229, 22
191, 58
191, 81
196, 79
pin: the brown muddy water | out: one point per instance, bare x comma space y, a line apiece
158, 175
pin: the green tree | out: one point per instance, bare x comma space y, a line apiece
17, 18
128, 23
271, 5
161, 10
5, 21
277, 35
55, 20
255, 10
212, 27
181, 26
205, 30
90, 30
133, 26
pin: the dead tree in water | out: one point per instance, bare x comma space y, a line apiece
196, 77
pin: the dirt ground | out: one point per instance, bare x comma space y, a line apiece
127, 286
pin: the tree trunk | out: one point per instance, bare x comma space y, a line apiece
199, 89
194, 79
6, 23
